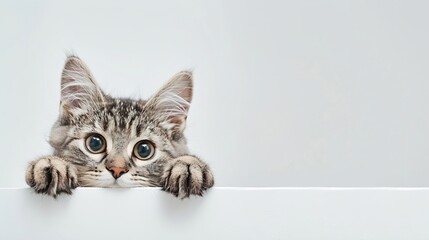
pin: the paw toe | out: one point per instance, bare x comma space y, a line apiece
51, 176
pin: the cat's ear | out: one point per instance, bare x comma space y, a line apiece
171, 103
79, 91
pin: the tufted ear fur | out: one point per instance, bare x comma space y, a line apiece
79, 91
170, 105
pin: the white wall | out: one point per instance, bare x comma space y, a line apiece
224, 213
298, 93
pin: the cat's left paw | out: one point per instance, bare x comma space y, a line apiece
186, 175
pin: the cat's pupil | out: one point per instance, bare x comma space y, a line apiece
96, 143
144, 150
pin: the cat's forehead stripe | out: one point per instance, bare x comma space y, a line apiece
118, 114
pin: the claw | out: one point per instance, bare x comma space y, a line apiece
52, 176
186, 175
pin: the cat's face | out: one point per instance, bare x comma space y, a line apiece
119, 142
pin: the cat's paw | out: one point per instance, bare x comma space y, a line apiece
186, 175
51, 175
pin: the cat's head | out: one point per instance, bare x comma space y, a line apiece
119, 141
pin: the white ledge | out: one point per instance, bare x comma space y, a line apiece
223, 213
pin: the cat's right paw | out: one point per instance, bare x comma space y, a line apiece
51, 175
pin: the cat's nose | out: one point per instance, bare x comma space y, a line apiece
117, 171
117, 166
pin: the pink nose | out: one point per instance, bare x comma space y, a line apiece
117, 171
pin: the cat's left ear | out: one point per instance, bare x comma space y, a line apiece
171, 103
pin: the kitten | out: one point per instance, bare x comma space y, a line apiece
101, 141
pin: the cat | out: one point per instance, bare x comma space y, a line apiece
101, 141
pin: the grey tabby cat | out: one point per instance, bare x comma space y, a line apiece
102, 141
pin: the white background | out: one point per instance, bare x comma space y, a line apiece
287, 93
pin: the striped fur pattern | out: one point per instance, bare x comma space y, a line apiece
122, 122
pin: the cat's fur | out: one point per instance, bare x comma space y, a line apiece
86, 109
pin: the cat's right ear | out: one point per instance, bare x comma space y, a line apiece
79, 91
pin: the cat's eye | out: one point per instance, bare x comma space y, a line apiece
95, 143
144, 150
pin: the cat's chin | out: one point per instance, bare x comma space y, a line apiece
115, 185
104, 185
